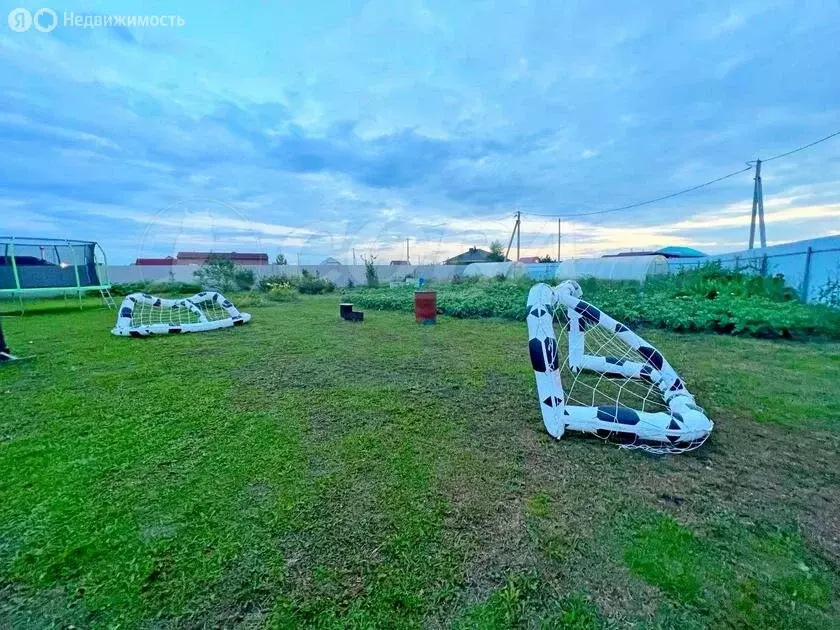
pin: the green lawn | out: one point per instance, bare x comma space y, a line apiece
303, 471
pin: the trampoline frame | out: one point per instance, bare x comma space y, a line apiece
19, 292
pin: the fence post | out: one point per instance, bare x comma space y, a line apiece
737, 263
806, 277
764, 265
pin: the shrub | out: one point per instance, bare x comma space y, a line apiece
221, 274
282, 286
282, 294
267, 283
314, 285
244, 278
371, 275
704, 300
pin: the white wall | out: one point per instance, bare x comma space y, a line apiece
340, 274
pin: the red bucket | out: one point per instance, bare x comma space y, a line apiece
425, 307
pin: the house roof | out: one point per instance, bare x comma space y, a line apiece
169, 260
234, 256
680, 252
330, 261
529, 259
668, 252
473, 254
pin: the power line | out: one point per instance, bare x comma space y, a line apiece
802, 148
638, 204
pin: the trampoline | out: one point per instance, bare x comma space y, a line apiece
46, 266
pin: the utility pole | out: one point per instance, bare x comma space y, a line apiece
354, 256
559, 236
407, 252
516, 234
758, 209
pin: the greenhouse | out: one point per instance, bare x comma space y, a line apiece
494, 269
31, 266
638, 268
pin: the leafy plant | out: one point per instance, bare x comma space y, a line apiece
280, 286
315, 285
497, 252
280, 259
371, 276
702, 300
221, 274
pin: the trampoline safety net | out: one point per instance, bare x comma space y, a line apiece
27, 264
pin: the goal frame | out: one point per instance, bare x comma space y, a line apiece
125, 328
683, 427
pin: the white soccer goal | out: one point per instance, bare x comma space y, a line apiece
142, 314
597, 376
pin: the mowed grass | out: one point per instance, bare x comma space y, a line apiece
302, 471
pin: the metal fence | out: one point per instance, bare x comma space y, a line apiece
811, 267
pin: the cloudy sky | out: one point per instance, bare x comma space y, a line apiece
319, 127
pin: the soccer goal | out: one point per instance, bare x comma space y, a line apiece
597, 376
142, 314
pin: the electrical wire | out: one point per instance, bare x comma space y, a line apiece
802, 148
638, 204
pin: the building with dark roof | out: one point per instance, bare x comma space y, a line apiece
472, 255
199, 258
668, 252
240, 258
169, 260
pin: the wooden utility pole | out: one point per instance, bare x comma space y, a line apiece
407, 252
559, 236
516, 234
757, 209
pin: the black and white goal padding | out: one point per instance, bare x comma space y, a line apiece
597, 376
142, 314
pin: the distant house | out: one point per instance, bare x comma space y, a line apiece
400, 262
668, 252
169, 260
529, 260
243, 258
472, 255
680, 252
330, 261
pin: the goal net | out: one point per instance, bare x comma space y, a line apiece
142, 314
597, 376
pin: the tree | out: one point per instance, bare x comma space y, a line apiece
280, 259
545, 259
496, 252
370, 271
220, 274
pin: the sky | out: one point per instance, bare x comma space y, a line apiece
331, 128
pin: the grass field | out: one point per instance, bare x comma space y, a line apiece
302, 471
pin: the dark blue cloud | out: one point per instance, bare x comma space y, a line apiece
552, 108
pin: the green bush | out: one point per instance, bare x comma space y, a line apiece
313, 285
306, 283
708, 299
221, 274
